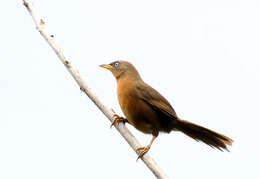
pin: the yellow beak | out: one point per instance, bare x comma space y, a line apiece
106, 66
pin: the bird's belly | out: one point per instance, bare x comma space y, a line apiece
138, 114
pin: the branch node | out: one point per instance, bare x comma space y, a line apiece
42, 22
67, 63
26, 4
82, 89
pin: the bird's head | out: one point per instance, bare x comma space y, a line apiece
122, 69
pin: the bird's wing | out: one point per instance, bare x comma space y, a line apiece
156, 101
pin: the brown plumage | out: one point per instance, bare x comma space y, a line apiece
148, 111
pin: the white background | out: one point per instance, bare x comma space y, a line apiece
203, 56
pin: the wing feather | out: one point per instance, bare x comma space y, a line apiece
156, 101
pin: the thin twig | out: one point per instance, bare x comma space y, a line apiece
108, 112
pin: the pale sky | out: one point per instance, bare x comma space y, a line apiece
203, 56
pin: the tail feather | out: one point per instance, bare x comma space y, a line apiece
203, 134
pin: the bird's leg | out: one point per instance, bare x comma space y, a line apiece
144, 150
118, 119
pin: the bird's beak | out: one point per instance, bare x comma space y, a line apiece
106, 66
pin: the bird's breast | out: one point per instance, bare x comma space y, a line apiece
136, 111
127, 100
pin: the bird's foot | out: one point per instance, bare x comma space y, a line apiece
117, 120
143, 150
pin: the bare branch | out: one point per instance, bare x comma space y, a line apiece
132, 141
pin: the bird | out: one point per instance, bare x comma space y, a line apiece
149, 112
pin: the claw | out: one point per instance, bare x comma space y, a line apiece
143, 150
117, 120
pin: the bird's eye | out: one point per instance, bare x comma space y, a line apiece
116, 64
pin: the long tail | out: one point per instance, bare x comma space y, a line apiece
203, 134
